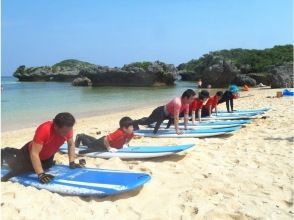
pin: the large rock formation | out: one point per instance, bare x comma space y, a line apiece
189, 76
220, 74
65, 71
264, 78
242, 79
212, 71
253, 63
85, 74
81, 81
134, 74
282, 76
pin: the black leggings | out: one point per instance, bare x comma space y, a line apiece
204, 112
158, 115
94, 145
19, 161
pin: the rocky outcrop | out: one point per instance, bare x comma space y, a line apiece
211, 70
264, 78
134, 74
220, 74
82, 81
86, 74
64, 71
242, 79
282, 76
189, 76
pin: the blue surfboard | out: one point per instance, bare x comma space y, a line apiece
132, 152
170, 133
218, 122
84, 181
259, 111
144, 149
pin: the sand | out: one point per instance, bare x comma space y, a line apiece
248, 175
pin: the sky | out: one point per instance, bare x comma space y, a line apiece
117, 32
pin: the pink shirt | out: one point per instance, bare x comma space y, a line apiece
175, 107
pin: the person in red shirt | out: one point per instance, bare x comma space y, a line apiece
196, 105
38, 154
211, 104
112, 142
170, 111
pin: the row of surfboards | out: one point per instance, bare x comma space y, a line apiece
102, 182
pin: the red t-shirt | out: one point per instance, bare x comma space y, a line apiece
118, 138
46, 136
175, 107
212, 101
196, 105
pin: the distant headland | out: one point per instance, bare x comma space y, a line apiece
273, 66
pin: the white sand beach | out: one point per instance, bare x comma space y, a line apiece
248, 175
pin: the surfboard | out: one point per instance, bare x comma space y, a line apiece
236, 114
259, 110
133, 152
170, 133
230, 117
210, 124
84, 181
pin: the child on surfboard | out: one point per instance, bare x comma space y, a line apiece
38, 154
170, 111
211, 104
112, 142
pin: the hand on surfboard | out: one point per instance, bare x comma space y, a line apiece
179, 132
45, 178
112, 150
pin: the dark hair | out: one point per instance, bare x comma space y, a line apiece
188, 93
125, 122
203, 94
219, 93
64, 119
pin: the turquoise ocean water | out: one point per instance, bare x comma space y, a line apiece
26, 104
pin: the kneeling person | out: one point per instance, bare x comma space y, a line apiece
38, 154
112, 142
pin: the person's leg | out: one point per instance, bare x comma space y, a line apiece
228, 105
85, 140
160, 117
153, 117
204, 112
170, 122
96, 146
232, 104
19, 163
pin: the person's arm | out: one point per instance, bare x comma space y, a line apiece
107, 145
199, 114
216, 111
71, 150
128, 142
193, 117
37, 165
209, 110
178, 131
35, 158
186, 120
71, 155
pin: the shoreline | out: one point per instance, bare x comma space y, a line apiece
248, 175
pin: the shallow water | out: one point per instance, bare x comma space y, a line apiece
26, 103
